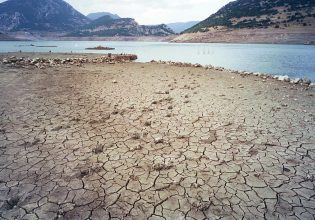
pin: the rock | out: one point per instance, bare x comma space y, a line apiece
201, 206
139, 147
84, 173
162, 166
158, 140
147, 123
285, 169
306, 82
283, 78
296, 81
114, 81
136, 136
98, 149
115, 112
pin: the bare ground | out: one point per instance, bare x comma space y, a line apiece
153, 141
296, 35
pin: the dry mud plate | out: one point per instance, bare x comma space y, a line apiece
153, 141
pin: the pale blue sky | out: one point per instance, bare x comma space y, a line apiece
152, 11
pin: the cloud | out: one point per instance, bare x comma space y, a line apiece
152, 11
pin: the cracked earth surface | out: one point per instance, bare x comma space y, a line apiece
152, 141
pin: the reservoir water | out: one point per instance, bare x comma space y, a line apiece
296, 61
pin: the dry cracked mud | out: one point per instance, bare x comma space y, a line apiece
152, 141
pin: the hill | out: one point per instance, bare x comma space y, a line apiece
39, 15
179, 27
96, 15
109, 27
259, 14
257, 21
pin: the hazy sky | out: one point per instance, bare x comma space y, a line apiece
152, 11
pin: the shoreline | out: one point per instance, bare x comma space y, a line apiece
164, 41
279, 77
295, 35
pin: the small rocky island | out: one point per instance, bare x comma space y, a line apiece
100, 48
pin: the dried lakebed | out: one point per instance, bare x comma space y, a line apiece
154, 141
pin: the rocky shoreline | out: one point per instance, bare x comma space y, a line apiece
283, 78
125, 58
52, 62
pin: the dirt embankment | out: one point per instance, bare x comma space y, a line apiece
297, 35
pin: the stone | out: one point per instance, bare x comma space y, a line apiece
158, 140
296, 81
98, 149
306, 82
147, 123
282, 78
162, 166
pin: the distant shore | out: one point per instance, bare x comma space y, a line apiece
294, 35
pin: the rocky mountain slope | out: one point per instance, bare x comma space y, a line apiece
260, 14
109, 27
39, 15
97, 15
257, 21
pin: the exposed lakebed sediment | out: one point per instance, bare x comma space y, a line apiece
152, 140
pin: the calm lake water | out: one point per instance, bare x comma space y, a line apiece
291, 60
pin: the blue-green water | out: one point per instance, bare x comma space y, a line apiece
292, 60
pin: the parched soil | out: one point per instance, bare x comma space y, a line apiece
153, 141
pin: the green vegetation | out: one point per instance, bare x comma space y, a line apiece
254, 8
103, 33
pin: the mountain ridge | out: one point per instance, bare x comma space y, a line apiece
259, 14
58, 18
39, 15
96, 15
109, 27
